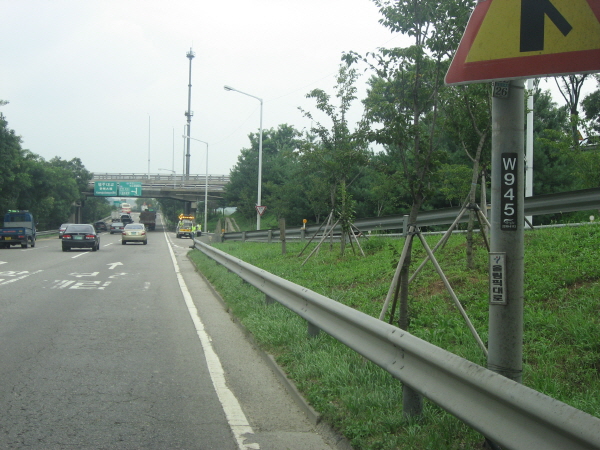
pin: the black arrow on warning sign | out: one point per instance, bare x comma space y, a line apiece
533, 13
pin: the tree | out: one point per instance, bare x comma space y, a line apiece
10, 155
403, 104
95, 208
469, 122
570, 88
591, 108
339, 154
279, 160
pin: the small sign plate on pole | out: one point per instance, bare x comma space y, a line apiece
497, 278
261, 210
509, 192
501, 89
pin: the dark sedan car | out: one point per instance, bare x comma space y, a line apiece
116, 227
100, 226
80, 236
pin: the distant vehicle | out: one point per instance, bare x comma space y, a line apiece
100, 226
115, 216
126, 218
125, 208
185, 226
116, 227
148, 218
80, 236
62, 229
134, 232
19, 228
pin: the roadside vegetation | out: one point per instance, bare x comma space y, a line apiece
363, 402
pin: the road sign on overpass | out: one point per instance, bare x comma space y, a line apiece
106, 188
118, 189
130, 188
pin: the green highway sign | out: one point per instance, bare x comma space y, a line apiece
130, 189
105, 188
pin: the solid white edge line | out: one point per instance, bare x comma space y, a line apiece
240, 427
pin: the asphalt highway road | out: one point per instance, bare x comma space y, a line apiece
128, 348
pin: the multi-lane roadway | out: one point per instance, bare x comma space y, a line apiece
128, 348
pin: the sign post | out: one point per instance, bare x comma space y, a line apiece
507, 41
505, 343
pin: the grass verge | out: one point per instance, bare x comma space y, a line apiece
562, 324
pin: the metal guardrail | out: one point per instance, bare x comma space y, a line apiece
46, 233
510, 414
541, 204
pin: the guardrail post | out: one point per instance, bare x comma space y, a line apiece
243, 236
270, 236
302, 235
282, 235
269, 300
313, 330
405, 225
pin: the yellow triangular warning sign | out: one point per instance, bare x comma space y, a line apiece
508, 39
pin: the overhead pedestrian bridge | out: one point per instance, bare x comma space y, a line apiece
189, 188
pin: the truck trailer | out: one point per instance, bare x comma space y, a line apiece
148, 218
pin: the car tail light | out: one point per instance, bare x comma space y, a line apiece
89, 236
67, 236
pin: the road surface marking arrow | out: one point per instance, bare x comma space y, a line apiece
113, 265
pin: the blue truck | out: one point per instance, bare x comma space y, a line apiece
19, 229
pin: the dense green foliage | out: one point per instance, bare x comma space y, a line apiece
49, 189
432, 141
561, 324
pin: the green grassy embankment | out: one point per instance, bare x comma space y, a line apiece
562, 327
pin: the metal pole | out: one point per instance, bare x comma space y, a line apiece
190, 55
258, 201
206, 194
148, 146
505, 344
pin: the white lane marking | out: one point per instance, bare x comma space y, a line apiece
79, 275
238, 422
3, 262
113, 265
146, 285
80, 254
19, 278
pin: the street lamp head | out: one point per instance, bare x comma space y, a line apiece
228, 88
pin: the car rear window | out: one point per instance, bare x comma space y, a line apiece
134, 227
80, 229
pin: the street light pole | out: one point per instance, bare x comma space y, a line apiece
258, 201
205, 184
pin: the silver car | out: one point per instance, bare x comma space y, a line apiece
134, 232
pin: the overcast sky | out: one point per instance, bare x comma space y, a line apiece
107, 80
101, 80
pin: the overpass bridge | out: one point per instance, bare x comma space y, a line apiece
189, 188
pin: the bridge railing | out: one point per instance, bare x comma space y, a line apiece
159, 179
